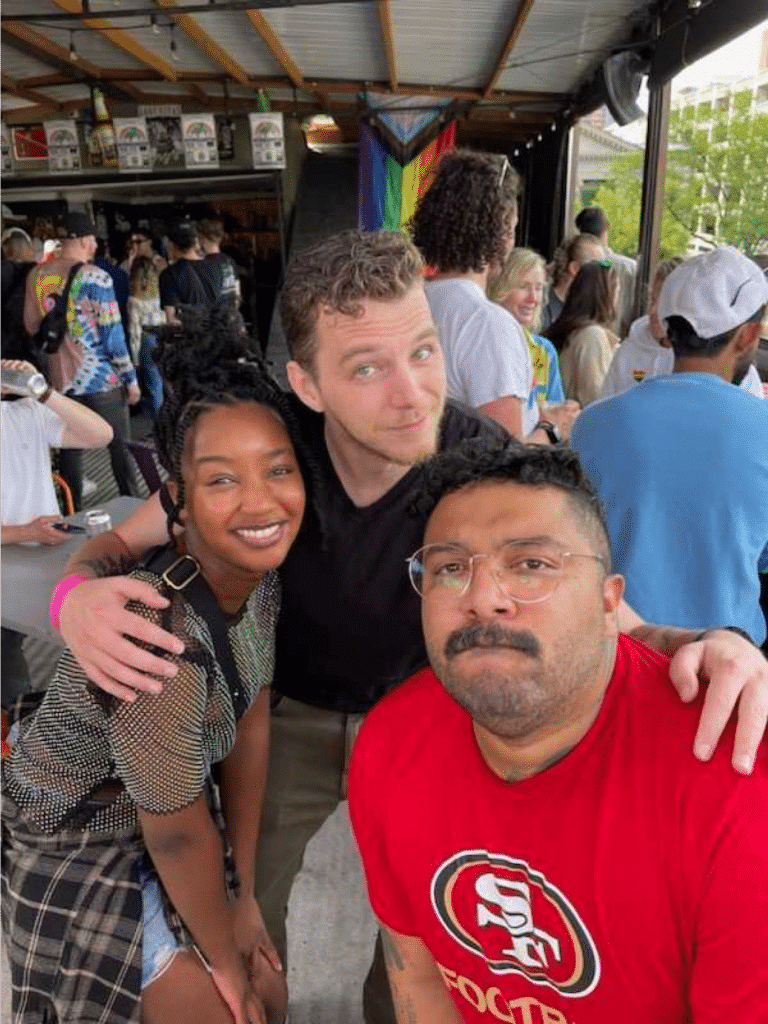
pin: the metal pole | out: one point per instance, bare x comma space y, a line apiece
654, 183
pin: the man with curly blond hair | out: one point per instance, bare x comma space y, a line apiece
465, 225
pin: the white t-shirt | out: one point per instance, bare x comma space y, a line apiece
486, 354
640, 357
29, 431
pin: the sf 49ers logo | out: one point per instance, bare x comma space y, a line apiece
516, 920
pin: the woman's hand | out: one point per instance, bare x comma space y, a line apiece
251, 936
234, 988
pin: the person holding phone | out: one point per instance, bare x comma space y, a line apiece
29, 511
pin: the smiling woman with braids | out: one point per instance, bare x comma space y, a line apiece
121, 897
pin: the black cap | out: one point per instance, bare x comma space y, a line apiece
183, 234
78, 225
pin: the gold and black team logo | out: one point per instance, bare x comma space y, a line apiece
516, 920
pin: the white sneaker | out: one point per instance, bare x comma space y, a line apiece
89, 487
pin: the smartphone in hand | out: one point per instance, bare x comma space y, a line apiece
68, 527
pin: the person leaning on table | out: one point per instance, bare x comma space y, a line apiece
30, 428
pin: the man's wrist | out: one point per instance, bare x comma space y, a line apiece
728, 629
551, 430
43, 398
59, 595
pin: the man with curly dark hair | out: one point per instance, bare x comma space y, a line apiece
464, 225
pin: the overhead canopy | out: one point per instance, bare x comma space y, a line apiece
509, 67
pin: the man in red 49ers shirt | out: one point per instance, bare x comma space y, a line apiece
538, 843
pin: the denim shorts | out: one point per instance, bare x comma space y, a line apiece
159, 945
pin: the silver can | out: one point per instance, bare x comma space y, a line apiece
22, 382
97, 521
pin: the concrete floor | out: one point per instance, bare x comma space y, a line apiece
331, 932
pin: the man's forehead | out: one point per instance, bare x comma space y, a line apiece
377, 319
506, 509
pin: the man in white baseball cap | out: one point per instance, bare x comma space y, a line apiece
681, 461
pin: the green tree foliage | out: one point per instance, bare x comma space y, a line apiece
717, 183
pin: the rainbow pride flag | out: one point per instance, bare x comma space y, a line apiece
392, 178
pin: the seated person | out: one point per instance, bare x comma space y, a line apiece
29, 511
647, 352
113, 800
537, 842
681, 462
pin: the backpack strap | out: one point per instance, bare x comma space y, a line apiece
182, 573
68, 286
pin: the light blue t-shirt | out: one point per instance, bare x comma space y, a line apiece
681, 465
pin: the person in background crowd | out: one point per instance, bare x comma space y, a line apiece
464, 225
210, 234
111, 818
145, 318
527, 806
140, 244
188, 280
568, 260
681, 463
119, 277
647, 352
31, 427
518, 285
367, 367
593, 221
18, 259
92, 364
583, 333
17, 246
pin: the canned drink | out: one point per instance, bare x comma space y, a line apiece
22, 382
97, 521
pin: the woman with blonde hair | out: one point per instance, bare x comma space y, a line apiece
518, 286
145, 318
583, 333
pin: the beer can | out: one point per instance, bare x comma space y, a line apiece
97, 521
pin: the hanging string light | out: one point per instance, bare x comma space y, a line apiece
174, 51
72, 50
154, 25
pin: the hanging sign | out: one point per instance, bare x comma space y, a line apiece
134, 152
7, 157
267, 143
63, 146
199, 134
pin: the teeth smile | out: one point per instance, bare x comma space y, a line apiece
262, 533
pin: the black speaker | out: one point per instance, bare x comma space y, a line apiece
620, 78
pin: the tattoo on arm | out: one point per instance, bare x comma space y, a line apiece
392, 956
109, 565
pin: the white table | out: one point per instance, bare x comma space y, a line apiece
30, 574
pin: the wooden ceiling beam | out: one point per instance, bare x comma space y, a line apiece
42, 47
385, 17
35, 81
39, 112
275, 45
198, 92
206, 42
120, 39
15, 88
514, 33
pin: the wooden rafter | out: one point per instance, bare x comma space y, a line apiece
41, 47
279, 52
385, 17
120, 39
517, 27
198, 92
206, 42
39, 112
17, 89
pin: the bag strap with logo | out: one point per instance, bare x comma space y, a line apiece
53, 326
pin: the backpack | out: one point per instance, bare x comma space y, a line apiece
50, 334
15, 340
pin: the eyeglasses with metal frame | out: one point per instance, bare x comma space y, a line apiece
525, 572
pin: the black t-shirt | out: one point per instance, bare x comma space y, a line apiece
190, 283
350, 623
226, 269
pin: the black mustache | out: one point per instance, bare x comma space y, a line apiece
491, 635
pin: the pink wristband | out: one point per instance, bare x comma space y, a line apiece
61, 591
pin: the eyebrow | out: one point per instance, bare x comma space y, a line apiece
367, 350
274, 454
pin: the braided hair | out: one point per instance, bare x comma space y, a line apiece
206, 360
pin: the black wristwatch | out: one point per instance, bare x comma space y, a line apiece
551, 430
729, 629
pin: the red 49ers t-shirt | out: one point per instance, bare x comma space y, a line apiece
627, 884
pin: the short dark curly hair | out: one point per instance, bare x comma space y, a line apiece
464, 220
476, 461
339, 273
